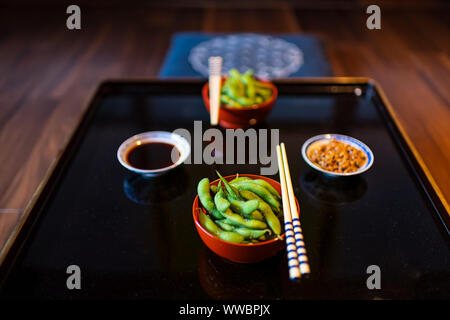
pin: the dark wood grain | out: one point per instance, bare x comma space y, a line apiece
47, 73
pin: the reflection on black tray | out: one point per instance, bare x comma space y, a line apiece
225, 280
147, 190
333, 190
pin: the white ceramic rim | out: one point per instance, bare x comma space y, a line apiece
346, 139
178, 141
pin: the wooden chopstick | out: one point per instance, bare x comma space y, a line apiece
298, 233
291, 248
215, 79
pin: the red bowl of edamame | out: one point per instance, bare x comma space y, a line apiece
239, 252
243, 117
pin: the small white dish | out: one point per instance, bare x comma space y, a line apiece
174, 139
325, 138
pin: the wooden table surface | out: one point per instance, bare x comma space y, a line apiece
47, 73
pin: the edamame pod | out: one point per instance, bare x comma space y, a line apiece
268, 186
234, 73
244, 100
222, 204
250, 233
216, 214
243, 207
256, 215
249, 72
238, 221
265, 93
231, 236
204, 195
238, 179
236, 88
233, 192
207, 223
225, 226
260, 191
212, 228
251, 90
245, 232
271, 219
228, 101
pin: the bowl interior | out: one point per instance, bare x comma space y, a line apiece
325, 138
180, 143
197, 206
266, 104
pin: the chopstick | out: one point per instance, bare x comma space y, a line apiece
291, 248
298, 233
215, 78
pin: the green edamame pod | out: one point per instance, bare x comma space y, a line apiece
238, 179
213, 188
233, 192
236, 88
224, 99
243, 207
216, 214
250, 233
268, 186
260, 191
231, 236
234, 73
256, 215
222, 204
249, 206
207, 223
244, 100
245, 232
225, 226
228, 221
271, 219
251, 90
204, 195
212, 228
249, 72
238, 221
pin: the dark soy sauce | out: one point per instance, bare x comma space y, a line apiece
152, 155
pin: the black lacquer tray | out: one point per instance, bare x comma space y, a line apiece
135, 238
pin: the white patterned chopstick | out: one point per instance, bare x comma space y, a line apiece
298, 233
215, 79
292, 256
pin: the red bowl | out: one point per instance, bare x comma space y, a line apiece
245, 117
236, 252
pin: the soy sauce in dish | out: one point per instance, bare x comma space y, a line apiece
152, 155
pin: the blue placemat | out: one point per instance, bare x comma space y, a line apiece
189, 50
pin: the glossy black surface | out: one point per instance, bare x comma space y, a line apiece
134, 237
